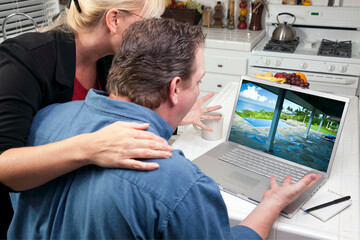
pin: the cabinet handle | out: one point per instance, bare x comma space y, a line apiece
220, 65
219, 85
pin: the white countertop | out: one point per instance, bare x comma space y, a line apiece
344, 179
236, 39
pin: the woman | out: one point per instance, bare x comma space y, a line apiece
60, 65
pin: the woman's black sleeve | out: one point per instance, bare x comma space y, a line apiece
20, 95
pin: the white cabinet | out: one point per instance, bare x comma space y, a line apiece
226, 56
222, 67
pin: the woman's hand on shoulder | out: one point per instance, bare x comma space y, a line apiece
120, 143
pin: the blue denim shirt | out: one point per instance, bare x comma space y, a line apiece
177, 201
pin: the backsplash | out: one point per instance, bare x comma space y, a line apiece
212, 3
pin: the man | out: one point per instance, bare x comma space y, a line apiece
154, 78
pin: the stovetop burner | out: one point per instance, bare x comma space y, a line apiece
335, 48
281, 46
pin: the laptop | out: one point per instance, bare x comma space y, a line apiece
270, 135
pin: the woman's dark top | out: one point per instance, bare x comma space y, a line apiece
36, 70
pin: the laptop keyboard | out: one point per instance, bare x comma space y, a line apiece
262, 165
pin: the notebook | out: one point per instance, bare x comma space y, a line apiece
269, 130
328, 212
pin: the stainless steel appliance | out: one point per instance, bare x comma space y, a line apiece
284, 31
326, 50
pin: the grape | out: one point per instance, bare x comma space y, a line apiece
297, 82
288, 75
297, 77
292, 82
301, 85
293, 75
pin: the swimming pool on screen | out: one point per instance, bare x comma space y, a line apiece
255, 122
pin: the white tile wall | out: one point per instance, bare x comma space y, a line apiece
345, 3
212, 3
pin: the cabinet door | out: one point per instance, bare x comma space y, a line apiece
226, 61
214, 82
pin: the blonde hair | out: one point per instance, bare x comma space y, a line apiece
92, 12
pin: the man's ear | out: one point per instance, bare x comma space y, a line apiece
112, 19
174, 90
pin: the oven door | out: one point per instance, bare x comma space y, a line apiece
331, 83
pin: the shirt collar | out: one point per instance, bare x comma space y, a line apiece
100, 101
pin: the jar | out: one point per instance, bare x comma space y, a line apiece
256, 15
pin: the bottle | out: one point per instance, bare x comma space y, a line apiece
218, 15
231, 17
257, 8
206, 22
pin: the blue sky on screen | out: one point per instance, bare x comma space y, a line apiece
257, 95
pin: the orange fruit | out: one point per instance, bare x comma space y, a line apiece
302, 76
243, 12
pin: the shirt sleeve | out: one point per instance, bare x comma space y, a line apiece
202, 214
20, 95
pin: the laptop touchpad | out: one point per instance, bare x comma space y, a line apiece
241, 180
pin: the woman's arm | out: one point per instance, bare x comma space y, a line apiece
25, 88
113, 146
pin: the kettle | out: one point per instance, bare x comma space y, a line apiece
284, 32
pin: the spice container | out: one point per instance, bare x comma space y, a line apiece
231, 13
218, 15
257, 8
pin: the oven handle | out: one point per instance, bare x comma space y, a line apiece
338, 81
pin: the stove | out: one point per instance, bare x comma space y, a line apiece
327, 49
335, 48
281, 46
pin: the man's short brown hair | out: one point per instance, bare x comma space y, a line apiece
151, 54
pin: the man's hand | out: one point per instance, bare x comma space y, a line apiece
285, 194
274, 200
196, 112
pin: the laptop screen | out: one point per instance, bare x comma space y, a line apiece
293, 125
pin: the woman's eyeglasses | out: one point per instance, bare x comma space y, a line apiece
132, 13
77, 5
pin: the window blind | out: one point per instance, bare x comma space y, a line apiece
41, 11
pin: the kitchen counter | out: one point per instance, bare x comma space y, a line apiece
344, 179
239, 40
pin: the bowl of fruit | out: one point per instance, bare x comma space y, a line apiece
184, 11
296, 79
